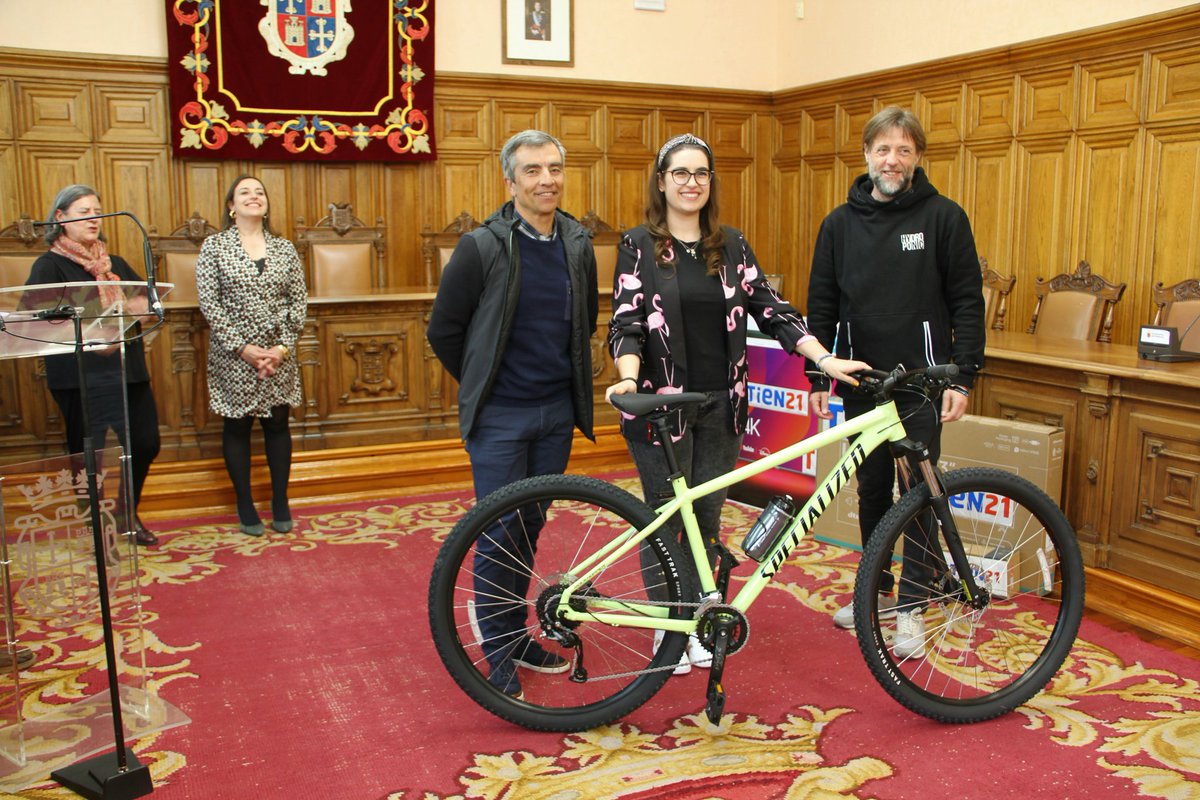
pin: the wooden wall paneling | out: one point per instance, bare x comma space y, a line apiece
1111, 92
629, 130
129, 180
1170, 217
201, 187
463, 123
469, 182
287, 188
824, 183
905, 98
991, 108
941, 111
130, 114
1107, 192
579, 126
943, 165
627, 179
818, 130
406, 190
738, 206
989, 173
1154, 529
583, 183
788, 254
852, 117
732, 133
53, 112
513, 116
10, 203
1041, 239
7, 127
675, 121
1047, 100
47, 168
1174, 85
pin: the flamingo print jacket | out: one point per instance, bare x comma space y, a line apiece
648, 320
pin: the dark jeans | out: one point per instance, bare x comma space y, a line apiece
876, 483
709, 448
507, 444
105, 414
277, 442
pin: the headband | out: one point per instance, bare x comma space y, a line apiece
679, 141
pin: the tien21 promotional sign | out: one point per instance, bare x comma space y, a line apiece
778, 397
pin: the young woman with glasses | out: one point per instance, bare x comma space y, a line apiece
683, 287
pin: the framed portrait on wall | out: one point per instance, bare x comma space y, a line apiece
538, 32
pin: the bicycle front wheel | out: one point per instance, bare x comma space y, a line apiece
959, 659
493, 604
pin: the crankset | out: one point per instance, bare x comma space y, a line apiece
722, 630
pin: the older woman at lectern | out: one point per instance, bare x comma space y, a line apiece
78, 253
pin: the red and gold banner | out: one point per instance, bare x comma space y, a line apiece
314, 80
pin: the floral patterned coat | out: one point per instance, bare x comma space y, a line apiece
648, 320
244, 307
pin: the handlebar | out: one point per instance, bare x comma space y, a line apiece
883, 384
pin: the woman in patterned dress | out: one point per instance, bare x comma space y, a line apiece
251, 290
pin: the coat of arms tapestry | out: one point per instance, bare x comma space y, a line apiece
315, 80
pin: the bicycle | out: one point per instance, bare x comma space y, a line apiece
615, 594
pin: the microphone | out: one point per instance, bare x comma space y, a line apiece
147, 257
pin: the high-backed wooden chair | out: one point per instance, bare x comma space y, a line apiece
175, 256
606, 240
1075, 306
20, 245
342, 253
436, 247
1178, 306
996, 288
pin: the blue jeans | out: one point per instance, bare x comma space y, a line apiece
507, 444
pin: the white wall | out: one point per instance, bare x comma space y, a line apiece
746, 44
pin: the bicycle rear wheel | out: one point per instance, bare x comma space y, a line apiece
495, 587
964, 661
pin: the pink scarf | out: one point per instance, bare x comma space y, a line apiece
96, 261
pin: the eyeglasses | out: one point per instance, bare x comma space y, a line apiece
681, 176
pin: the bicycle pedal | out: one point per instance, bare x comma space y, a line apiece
715, 708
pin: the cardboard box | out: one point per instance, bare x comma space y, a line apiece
1034, 452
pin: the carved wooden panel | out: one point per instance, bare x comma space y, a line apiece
674, 121
53, 112
630, 130
128, 182
6, 109
10, 207
1044, 172
941, 112
463, 123
737, 193
943, 166
1174, 85
513, 116
792, 257
1047, 101
731, 135
1110, 92
988, 175
1170, 250
1156, 529
582, 185
468, 182
852, 117
202, 185
818, 131
47, 168
991, 108
788, 129
628, 177
578, 127
131, 114
823, 186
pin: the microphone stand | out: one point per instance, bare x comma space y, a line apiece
118, 775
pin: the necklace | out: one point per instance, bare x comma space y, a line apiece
689, 247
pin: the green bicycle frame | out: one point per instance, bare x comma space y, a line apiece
871, 430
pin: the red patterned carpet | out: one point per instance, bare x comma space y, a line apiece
305, 664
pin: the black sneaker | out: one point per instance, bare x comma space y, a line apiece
504, 677
539, 659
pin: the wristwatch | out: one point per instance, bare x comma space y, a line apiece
284, 349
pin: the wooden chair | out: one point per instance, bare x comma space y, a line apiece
1178, 306
996, 288
436, 247
342, 253
20, 245
175, 256
1075, 306
606, 240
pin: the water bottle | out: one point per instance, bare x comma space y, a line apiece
770, 524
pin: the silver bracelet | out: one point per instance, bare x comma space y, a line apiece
821, 361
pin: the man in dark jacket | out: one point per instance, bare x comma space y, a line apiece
515, 310
896, 280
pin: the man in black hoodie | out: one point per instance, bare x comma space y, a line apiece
895, 280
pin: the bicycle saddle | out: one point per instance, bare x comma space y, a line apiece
639, 405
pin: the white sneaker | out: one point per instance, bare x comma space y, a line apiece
844, 618
696, 653
910, 634
685, 665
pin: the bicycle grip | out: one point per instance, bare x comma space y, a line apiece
940, 371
